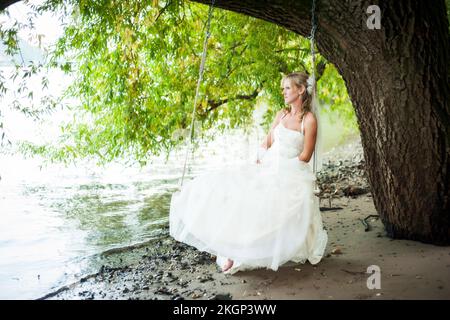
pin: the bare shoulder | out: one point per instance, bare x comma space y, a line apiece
310, 120
280, 113
278, 116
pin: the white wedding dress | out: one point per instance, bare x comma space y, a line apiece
259, 215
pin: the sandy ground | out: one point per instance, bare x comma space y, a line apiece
169, 270
408, 269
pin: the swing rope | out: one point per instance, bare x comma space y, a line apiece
197, 91
313, 74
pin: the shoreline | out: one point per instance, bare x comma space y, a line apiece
166, 269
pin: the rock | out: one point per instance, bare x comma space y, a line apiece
336, 250
163, 290
353, 191
196, 295
222, 296
205, 278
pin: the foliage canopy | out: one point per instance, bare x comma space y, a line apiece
135, 66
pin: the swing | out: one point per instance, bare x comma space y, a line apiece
200, 78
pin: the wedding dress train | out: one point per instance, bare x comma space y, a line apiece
259, 215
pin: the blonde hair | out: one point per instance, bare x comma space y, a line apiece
300, 79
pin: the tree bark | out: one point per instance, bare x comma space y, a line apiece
398, 80
6, 3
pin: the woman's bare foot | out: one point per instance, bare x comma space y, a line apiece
227, 265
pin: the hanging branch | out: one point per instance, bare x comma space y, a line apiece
160, 12
214, 104
291, 49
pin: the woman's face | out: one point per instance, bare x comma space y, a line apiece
290, 91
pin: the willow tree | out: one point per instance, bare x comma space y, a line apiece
397, 77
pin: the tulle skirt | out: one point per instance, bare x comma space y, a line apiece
259, 215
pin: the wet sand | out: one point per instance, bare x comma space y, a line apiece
166, 269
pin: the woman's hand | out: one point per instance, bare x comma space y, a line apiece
260, 154
299, 159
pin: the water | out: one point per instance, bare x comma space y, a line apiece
51, 226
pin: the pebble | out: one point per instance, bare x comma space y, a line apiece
222, 296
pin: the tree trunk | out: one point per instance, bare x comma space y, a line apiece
398, 80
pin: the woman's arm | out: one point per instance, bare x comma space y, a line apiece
310, 127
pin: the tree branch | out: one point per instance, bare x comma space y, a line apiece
214, 104
295, 16
160, 12
6, 3
292, 49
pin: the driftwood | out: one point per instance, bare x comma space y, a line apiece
365, 223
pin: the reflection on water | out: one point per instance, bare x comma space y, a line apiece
47, 234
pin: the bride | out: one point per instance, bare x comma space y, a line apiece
265, 214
